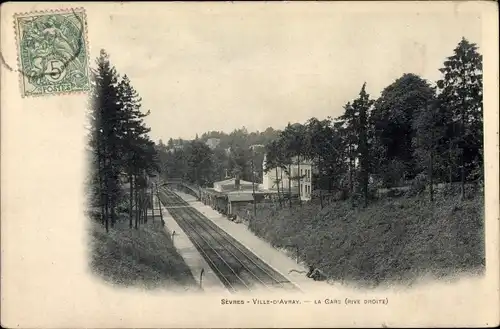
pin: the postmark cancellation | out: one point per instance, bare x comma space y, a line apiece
52, 52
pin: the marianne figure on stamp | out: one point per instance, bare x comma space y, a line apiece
60, 45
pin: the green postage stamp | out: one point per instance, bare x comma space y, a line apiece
52, 52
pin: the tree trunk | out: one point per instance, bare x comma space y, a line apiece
290, 184
351, 187
106, 195
431, 175
102, 200
113, 201
462, 153
278, 185
281, 179
365, 182
152, 201
146, 198
319, 179
139, 203
351, 180
136, 203
462, 174
100, 178
106, 211
141, 209
450, 168
131, 199
113, 214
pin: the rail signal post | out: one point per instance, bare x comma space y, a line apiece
253, 189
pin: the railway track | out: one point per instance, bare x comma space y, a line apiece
236, 266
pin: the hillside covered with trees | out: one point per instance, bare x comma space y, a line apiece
421, 142
417, 132
195, 162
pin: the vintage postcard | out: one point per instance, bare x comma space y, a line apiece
249, 164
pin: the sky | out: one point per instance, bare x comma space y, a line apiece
206, 66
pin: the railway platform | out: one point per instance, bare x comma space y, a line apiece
277, 259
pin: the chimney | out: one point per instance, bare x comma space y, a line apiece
237, 181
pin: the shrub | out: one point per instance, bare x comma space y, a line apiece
418, 185
392, 173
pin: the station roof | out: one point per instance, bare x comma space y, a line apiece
232, 181
239, 197
210, 190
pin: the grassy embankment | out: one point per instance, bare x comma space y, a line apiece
145, 257
393, 240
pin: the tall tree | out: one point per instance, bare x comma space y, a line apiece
347, 125
362, 106
462, 89
429, 127
118, 142
319, 135
134, 141
355, 129
274, 161
337, 158
392, 119
199, 163
103, 142
295, 141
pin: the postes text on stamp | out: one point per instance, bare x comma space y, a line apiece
52, 50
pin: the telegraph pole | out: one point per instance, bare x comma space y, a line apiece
152, 200
253, 188
159, 205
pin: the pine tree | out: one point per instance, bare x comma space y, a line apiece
119, 143
103, 141
362, 106
347, 124
133, 129
461, 89
355, 128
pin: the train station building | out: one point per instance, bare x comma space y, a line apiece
228, 193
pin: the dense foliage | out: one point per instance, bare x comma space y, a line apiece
235, 154
417, 132
119, 147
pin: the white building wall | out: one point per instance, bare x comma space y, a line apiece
269, 179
